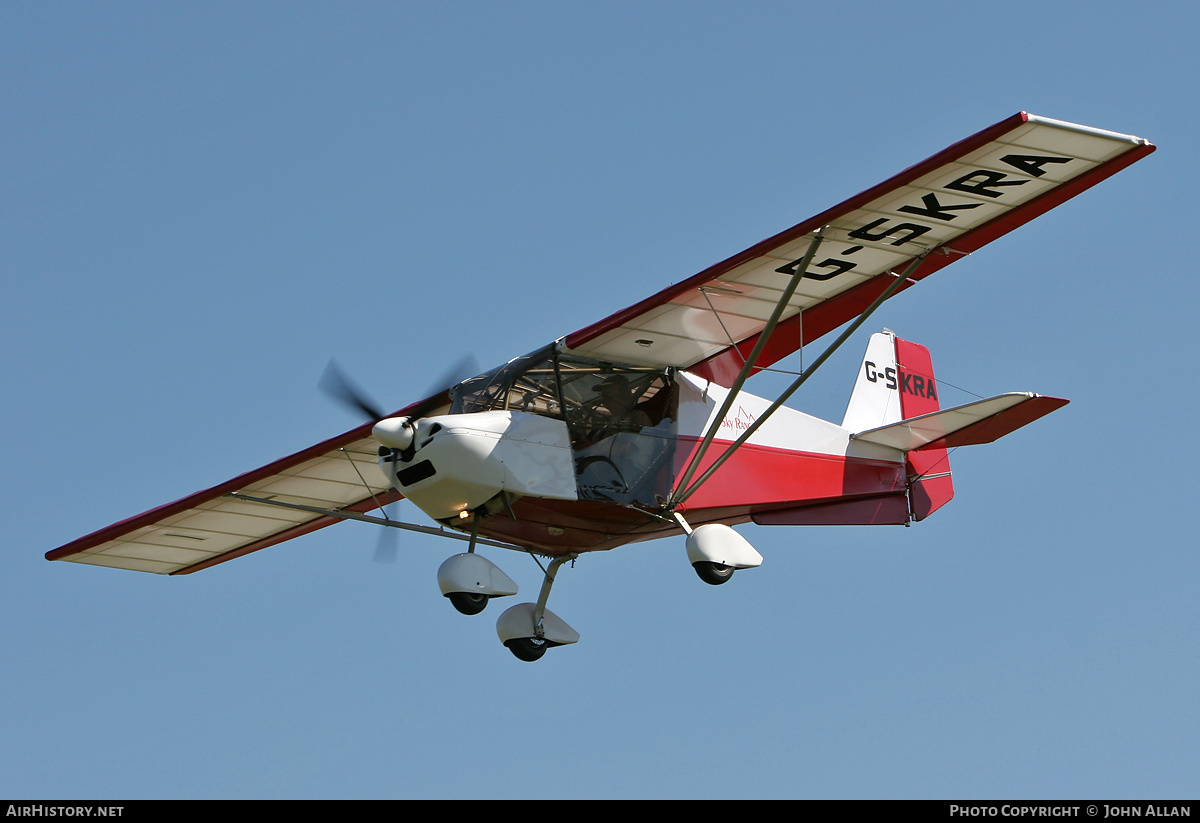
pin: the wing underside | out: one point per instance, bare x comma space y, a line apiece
210, 527
945, 207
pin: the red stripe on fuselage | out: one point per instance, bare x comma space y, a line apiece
759, 475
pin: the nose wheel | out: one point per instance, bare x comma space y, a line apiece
468, 602
713, 573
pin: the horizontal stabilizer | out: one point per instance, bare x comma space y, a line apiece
980, 422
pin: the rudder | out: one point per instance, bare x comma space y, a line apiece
896, 382
930, 485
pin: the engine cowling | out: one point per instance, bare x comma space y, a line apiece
455, 463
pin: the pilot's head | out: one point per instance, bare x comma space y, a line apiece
615, 389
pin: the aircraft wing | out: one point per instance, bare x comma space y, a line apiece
210, 527
947, 206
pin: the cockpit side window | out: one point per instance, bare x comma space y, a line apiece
601, 400
588, 394
621, 421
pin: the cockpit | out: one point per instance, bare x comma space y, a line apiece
621, 419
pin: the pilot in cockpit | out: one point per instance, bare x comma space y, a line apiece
618, 405
622, 449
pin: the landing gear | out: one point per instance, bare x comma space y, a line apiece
469, 581
528, 649
717, 551
713, 574
468, 602
528, 629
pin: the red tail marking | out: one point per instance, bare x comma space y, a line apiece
918, 395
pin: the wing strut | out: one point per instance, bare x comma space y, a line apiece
682, 491
366, 518
747, 366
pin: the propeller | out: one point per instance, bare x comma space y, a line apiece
335, 383
466, 366
392, 432
389, 538
341, 388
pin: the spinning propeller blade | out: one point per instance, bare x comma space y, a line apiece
337, 385
389, 538
466, 367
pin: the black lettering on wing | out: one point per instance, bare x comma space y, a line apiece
838, 266
937, 210
983, 182
1032, 163
909, 231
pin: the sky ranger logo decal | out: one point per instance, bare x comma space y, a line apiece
949, 207
738, 422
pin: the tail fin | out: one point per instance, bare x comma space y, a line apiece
875, 400
896, 383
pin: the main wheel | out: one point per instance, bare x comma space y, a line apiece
468, 602
713, 573
528, 649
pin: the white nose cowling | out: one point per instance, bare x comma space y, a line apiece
394, 432
451, 464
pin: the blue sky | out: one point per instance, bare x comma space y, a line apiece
204, 202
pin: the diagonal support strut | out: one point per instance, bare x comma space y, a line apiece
678, 497
379, 521
747, 367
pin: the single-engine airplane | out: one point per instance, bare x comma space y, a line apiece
637, 427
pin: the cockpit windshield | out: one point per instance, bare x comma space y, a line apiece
525, 384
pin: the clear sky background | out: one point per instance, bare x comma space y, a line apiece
201, 203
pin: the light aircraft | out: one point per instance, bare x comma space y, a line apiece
637, 427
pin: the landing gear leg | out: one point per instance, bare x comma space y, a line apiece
470, 602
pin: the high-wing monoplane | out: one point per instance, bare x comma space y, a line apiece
637, 427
